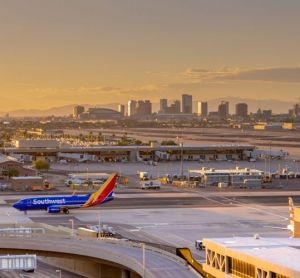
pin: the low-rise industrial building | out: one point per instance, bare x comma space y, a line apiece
27, 183
252, 257
266, 126
30, 152
37, 144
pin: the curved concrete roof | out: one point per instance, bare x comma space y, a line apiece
158, 263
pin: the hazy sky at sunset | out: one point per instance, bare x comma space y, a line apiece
57, 52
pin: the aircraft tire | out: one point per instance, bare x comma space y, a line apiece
66, 211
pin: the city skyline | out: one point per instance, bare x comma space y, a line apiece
278, 107
103, 51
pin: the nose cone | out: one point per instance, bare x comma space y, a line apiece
17, 205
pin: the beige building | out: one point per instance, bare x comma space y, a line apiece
253, 257
37, 144
8, 163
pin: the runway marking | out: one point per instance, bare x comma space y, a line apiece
276, 227
239, 203
258, 209
153, 225
150, 225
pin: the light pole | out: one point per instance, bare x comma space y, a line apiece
181, 164
265, 166
72, 225
270, 158
59, 272
144, 260
99, 226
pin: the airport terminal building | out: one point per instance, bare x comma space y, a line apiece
30, 150
252, 257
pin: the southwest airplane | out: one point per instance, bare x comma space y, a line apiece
56, 204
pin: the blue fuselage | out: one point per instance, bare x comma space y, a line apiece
43, 203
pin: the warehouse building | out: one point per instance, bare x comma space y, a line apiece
52, 151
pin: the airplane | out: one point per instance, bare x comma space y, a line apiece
57, 204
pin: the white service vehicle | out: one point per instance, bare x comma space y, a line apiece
150, 184
199, 245
105, 230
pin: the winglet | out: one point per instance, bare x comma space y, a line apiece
104, 191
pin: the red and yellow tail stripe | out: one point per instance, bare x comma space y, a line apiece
100, 195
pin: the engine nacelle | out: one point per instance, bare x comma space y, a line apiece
53, 210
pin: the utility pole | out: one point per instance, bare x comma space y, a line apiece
181, 146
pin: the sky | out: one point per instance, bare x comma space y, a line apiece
55, 52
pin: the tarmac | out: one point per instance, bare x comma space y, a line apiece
173, 225
171, 217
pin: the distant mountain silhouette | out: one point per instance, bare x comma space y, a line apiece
56, 111
277, 106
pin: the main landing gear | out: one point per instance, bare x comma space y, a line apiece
65, 211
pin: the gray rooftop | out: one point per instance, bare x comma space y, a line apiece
280, 251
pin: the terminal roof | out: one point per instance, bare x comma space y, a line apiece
280, 251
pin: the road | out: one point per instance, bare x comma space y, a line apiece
157, 263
